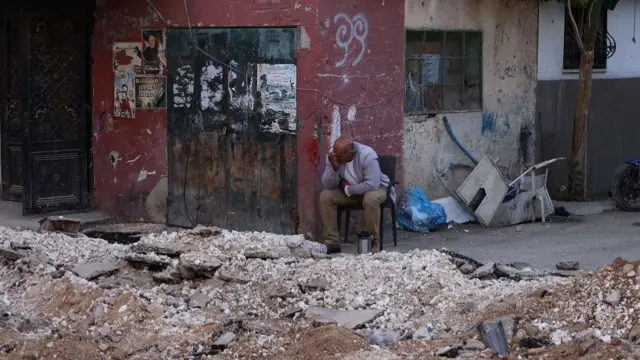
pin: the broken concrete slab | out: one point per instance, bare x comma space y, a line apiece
18, 246
613, 298
91, 271
292, 311
172, 250
224, 341
568, 265
316, 284
267, 254
10, 255
202, 268
485, 270
520, 265
456, 255
201, 230
152, 260
515, 274
351, 319
230, 276
318, 321
167, 278
474, 345
199, 301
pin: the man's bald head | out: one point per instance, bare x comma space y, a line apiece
344, 149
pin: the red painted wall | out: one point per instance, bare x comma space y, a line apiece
361, 74
373, 85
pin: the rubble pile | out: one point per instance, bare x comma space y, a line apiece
212, 293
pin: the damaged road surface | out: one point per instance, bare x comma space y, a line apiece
514, 271
217, 294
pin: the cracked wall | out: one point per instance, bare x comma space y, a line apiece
504, 128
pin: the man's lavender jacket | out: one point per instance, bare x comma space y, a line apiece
367, 169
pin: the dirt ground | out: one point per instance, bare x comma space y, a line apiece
591, 315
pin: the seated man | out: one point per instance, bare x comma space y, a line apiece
352, 175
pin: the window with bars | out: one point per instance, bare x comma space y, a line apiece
443, 71
571, 51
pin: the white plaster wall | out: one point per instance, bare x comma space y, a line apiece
623, 64
509, 40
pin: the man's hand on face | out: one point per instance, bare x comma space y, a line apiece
333, 161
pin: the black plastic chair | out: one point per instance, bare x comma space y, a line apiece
388, 167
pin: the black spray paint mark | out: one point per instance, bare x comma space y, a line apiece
523, 143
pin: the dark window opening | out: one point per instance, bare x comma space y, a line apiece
443, 71
571, 55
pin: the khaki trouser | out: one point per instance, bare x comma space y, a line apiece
330, 200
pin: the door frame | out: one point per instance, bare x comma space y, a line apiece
25, 11
7, 184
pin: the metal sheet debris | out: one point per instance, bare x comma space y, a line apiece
483, 190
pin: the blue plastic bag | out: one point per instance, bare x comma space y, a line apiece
418, 214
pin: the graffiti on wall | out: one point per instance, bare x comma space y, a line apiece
351, 30
120, 19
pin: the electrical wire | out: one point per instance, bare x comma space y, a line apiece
193, 221
635, 4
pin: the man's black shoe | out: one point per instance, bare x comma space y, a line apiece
333, 249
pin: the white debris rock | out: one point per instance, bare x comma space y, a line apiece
258, 276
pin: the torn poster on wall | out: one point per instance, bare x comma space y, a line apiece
151, 92
124, 95
127, 56
153, 53
212, 91
277, 88
183, 87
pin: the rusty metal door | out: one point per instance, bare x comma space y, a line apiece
10, 110
232, 163
55, 90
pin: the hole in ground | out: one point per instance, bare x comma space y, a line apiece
117, 237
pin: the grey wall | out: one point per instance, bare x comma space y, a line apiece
613, 129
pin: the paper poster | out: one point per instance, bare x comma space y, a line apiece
124, 95
151, 92
153, 57
277, 87
127, 56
